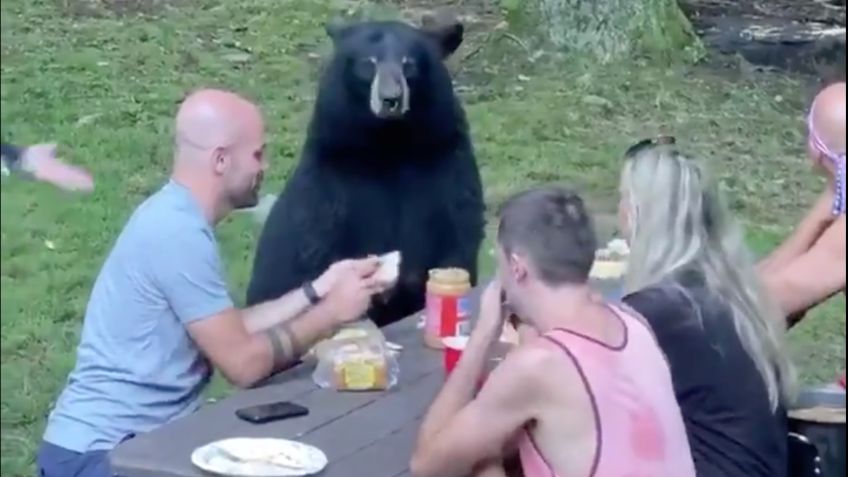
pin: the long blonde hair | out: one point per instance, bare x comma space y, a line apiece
678, 223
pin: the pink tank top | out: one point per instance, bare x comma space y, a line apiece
640, 431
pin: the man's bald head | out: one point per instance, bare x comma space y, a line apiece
212, 118
220, 142
827, 117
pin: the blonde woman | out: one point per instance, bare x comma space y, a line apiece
691, 277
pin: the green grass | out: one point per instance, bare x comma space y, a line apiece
103, 80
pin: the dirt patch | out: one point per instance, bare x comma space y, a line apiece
796, 36
831, 12
802, 36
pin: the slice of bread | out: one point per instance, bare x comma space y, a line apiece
389, 270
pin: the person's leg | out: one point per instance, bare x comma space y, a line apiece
95, 464
55, 461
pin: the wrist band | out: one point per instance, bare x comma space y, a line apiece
310, 293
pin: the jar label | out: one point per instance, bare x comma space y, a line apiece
437, 305
463, 307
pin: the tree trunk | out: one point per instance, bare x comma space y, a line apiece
806, 36
608, 29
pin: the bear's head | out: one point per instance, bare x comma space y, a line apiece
391, 68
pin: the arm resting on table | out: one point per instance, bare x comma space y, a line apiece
246, 345
273, 312
246, 358
459, 435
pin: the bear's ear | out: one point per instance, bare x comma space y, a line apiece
337, 29
448, 34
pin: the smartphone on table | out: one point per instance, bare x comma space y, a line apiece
276, 411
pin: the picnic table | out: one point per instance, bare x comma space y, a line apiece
363, 434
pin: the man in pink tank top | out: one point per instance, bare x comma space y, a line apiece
587, 392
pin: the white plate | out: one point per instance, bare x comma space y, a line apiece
252, 457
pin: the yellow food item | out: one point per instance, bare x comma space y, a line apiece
821, 414
349, 333
607, 269
360, 371
343, 334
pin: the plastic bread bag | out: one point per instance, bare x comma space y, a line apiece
357, 358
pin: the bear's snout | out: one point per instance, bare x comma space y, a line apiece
389, 91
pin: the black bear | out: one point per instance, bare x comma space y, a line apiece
387, 165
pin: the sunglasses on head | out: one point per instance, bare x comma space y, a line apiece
649, 143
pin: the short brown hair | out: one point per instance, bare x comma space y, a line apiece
551, 225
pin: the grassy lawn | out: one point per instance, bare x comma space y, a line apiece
102, 78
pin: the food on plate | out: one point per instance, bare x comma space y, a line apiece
284, 454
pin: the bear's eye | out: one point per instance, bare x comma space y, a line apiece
410, 67
365, 68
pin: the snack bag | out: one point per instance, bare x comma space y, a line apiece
356, 359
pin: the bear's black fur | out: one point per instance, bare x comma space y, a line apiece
370, 185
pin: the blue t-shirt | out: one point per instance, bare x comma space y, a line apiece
137, 367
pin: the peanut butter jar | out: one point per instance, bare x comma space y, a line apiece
446, 304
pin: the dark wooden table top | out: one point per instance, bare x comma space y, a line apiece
363, 434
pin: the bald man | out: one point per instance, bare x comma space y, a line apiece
160, 311
809, 267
